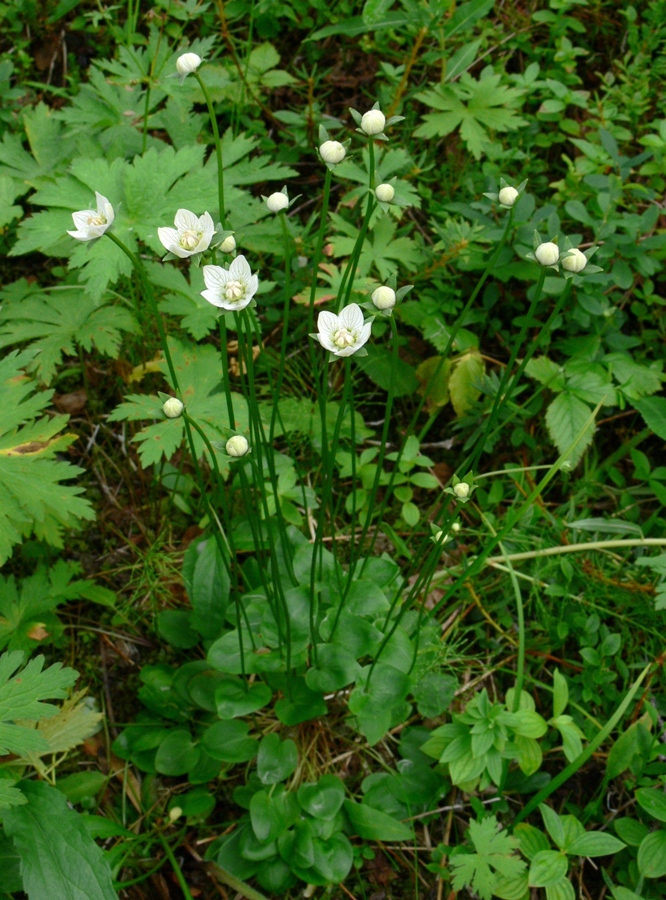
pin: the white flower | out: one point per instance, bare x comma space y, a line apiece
173, 408
231, 288
384, 297
332, 152
237, 445
508, 196
277, 202
385, 192
191, 234
92, 223
575, 261
187, 64
547, 253
228, 244
461, 490
373, 121
343, 334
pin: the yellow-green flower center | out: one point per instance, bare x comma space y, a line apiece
233, 290
344, 338
189, 240
96, 220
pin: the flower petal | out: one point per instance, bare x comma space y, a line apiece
215, 277
240, 269
327, 322
252, 287
186, 220
364, 335
352, 317
327, 342
168, 238
206, 224
213, 296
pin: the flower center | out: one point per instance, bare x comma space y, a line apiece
233, 290
96, 220
344, 338
189, 240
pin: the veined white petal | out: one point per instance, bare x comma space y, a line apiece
81, 218
326, 340
240, 269
252, 286
352, 317
327, 322
215, 277
168, 238
364, 335
186, 220
213, 296
207, 224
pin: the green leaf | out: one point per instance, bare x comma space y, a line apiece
547, 867
373, 704
651, 858
653, 410
55, 322
567, 420
595, 843
276, 759
299, 703
199, 372
80, 785
466, 375
177, 754
353, 27
434, 693
562, 889
10, 189
228, 741
233, 698
208, 588
554, 824
631, 831
474, 106
10, 796
373, 825
58, 857
380, 367
560, 693
634, 744
336, 668
546, 372
653, 802
382, 250
465, 16
532, 841
494, 854
324, 799
32, 499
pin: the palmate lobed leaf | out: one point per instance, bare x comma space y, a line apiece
474, 106
494, 854
32, 499
57, 321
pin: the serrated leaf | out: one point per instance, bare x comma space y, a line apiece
494, 854
567, 420
72, 724
474, 106
56, 322
10, 796
32, 499
199, 372
382, 250
58, 857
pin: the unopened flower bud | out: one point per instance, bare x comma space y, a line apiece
172, 408
575, 261
385, 192
456, 527
228, 244
332, 152
508, 196
373, 121
441, 537
461, 490
277, 202
547, 253
237, 445
384, 297
188, 63
175, 813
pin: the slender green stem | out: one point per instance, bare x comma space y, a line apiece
520, 661
176, 868
146, 108
226, 380
583, 757
240, 886
218, 148
576, 548
317, 253
285, 323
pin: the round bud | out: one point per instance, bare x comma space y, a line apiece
228, 244
575, 261
461, 490
385, 193
456, 527
332, 152
373, 121
277, 202
188, 63
172, 408
175, 813
237, 445
547, 253
508, 196
384, 297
